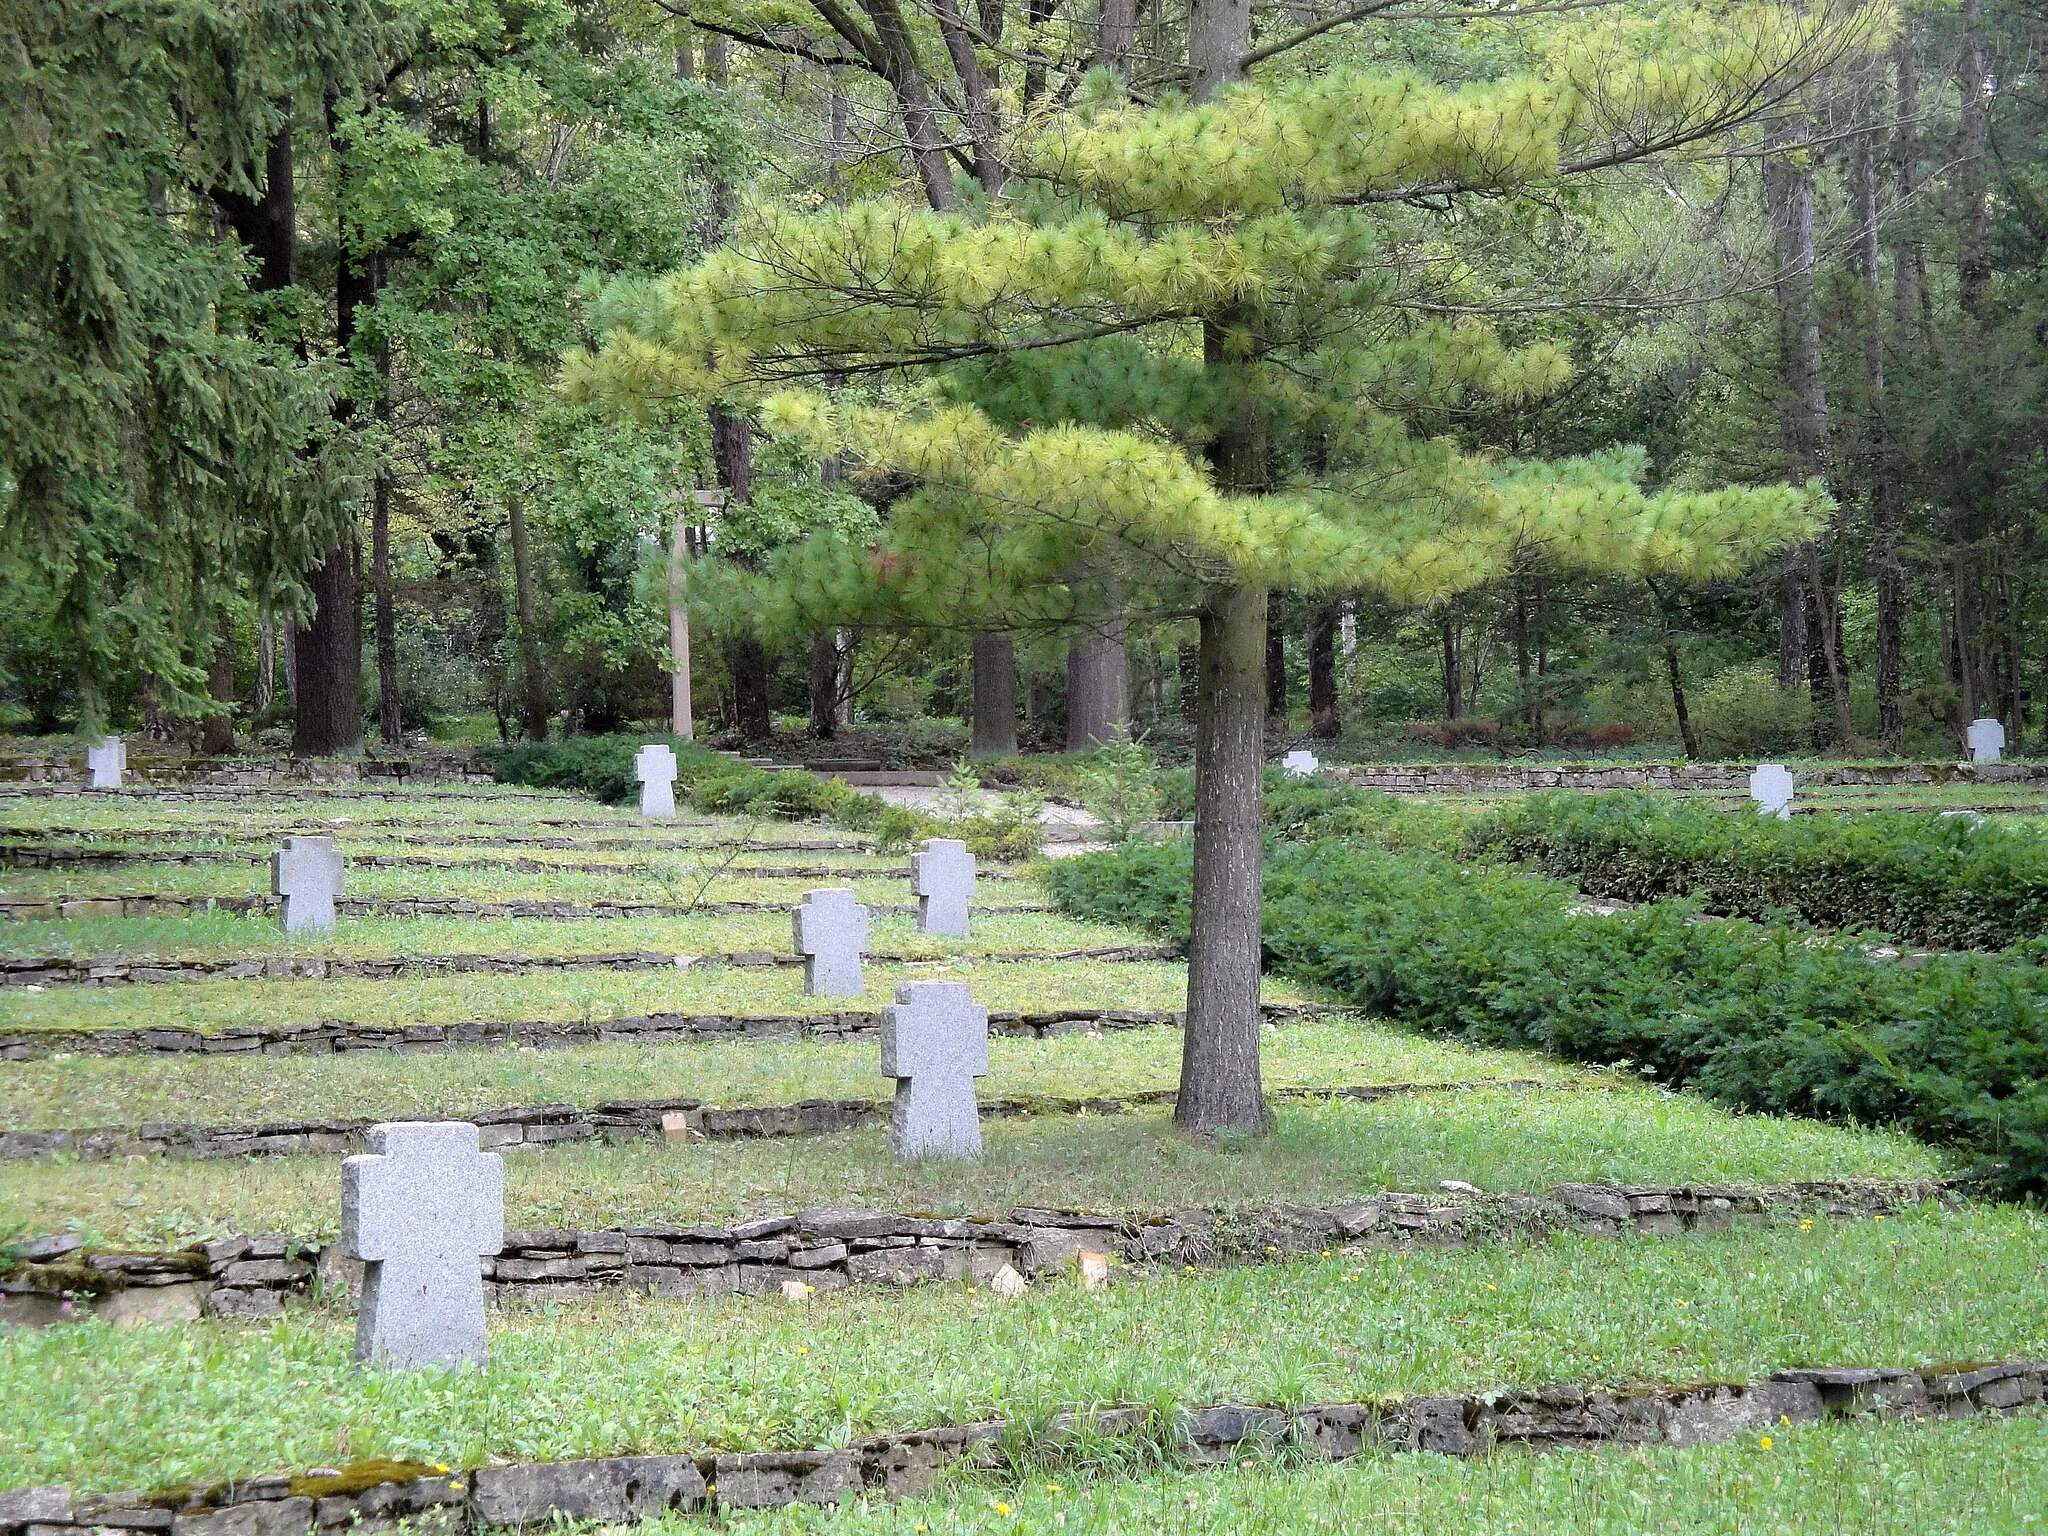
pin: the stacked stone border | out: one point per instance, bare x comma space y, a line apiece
72, 856
829, 1248
1480, 778
67, 769
70, 908
332, 1035
374, 1497
55, 971
677, 1119
266, 836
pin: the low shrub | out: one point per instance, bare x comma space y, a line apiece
598, 766
1956, 1051
1946, 880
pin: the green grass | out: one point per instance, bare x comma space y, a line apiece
129, 1090
102, 1409
210, 1006
233, 936
1860, 1478
1136, 1162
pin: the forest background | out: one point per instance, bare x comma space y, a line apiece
285, 291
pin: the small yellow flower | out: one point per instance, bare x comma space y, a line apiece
1052, 1487
1683, 1302
1326, 1253
1766, 1442
1806, 1225
1785, 1419
1491, 1286
440, 1466
1877, 1218
1003, 1509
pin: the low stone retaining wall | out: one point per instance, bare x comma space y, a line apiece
179, 793
375, 1497
1490, 778
654, 1029
158, 767
74, 856
825, 1249
56, 971
343, 827
71, 908
675, 1120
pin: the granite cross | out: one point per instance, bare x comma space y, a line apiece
1771, 788
655, 767
935, 1044
306, 872
831, 931
943, 878
421, 1209
1986, 739
108, 761
1300, 765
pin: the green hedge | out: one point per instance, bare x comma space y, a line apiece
598, 766
1945, 880
1954, 1050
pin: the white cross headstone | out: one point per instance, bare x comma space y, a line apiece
421, 1209
831, 930
108, 761
1986, 739
1300, 765
306, 872
943, 878
655, 767
935, 1044
1771, 788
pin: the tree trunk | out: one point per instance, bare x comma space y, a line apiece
1323, 723
1972, 128
824, 681
266, 666
1276, 663
1098, 707
389, 725
1454, 675
732, 452
995, 697
1220, 1087
328, 675
533, 711
1686, 733
1116, 35
681, 717
330, 649
1884, 490
217, 738
1827, 612
1791, 624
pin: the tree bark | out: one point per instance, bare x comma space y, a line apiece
824, 681
732, 451
1972, 130
1220, 1087
1098, 704
1323, 723
1276, 663
1116, 34
995, 697
266, 666
328, 674
217, 737
1884, 490
389, 725
1686, 734
1454, 671
681, 710
533, 710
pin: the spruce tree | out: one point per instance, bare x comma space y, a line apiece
1111, 376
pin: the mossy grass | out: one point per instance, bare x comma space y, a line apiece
220, 935
1509, 1142
1858, 1478
210, 1006
218, 1090
103, 1409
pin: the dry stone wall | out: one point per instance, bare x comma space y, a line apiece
72, 908
1509, 778
825, 1249
374, 1498
329, 1036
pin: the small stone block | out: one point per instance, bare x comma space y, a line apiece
1094, 1270
421, 1208
654, 765
1008, 1283
942, 876
306, 872
675, 1127
935, 1044
830, 929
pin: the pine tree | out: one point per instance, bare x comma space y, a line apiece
1247, 268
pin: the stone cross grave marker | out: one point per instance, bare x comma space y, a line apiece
1986, 739
831, 931
935, 1044
943, 878
421, 1209
108, 761
1771, 788
654, 766
1300, 765
306, 872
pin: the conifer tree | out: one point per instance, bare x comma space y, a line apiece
1106, 377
